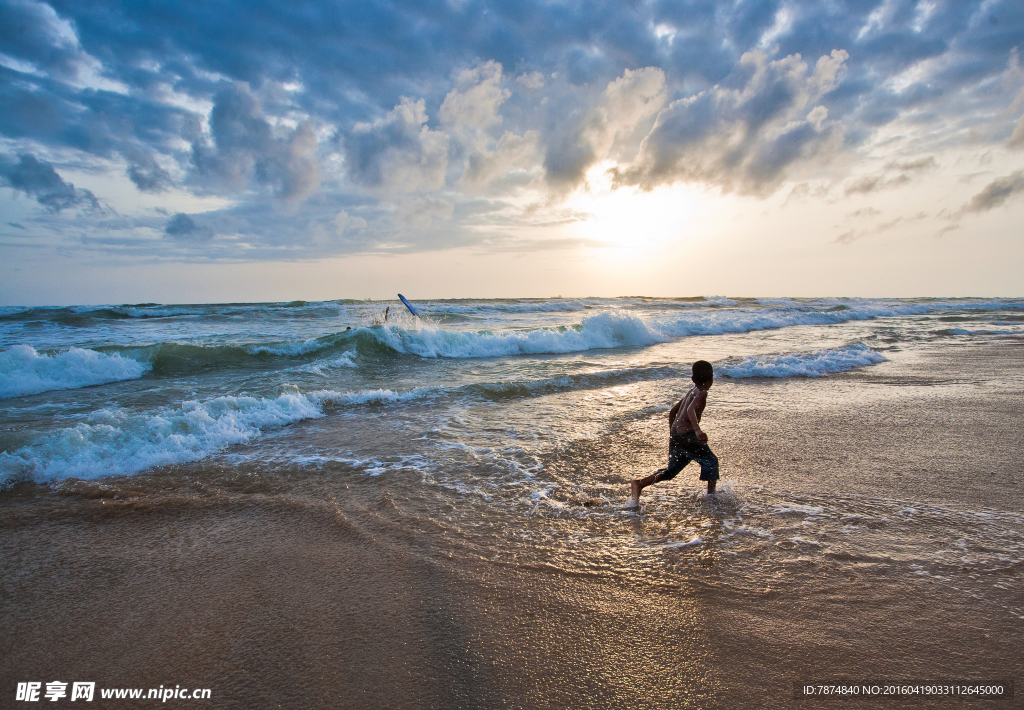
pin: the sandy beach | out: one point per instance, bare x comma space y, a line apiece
339, 343
271, 593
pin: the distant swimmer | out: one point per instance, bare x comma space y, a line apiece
381, 320
686, 440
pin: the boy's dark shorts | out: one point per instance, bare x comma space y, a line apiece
684, 448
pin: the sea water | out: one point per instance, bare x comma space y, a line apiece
513, 427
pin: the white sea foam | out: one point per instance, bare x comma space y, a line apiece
719, 301
718, 322
321, 397
1001, 331
695, 540
617, 327
812, 364
24, 371
150, 312
346, 359
520, 307
783, 313
373, 466
309, 345
115, 441
787, 508
604, 330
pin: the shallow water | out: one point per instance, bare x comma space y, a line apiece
869, 449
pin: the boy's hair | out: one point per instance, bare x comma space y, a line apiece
703, 372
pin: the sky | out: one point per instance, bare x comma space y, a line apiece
266, 151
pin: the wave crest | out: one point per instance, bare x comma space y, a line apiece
23, 371
812, 364
114, 441
604, 330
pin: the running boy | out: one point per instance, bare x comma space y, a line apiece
686, 440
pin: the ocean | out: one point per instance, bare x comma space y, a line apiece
868, 447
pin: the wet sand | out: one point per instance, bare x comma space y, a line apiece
273, 600
277, 608
272, 607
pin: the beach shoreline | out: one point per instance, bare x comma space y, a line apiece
878, 514
273, 606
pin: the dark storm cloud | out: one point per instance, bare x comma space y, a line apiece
419, 105
39, 179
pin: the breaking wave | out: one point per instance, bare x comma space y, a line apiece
118, 442
604, 330
813, 364
23, 371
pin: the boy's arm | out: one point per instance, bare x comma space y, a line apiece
673, 412
691, 414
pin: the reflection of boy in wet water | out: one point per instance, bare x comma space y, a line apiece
687, 442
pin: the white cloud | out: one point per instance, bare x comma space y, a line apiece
346, 223
399, 152
742, 138
513, 157
423, 212
472, 107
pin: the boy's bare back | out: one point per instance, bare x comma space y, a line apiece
685, 415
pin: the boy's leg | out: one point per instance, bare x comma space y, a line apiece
708, 466
641, 483
677, 459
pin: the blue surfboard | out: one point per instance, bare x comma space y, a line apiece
409, 306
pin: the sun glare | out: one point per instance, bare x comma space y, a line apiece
627, 218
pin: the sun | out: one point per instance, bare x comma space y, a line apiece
628, 218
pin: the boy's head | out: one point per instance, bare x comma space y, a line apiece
703, 374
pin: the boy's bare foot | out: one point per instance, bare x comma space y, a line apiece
634, 495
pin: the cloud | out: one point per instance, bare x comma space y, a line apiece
853, 235
39, 179
356, 107
472, 107
243, 149
1017, 137
398, 152
422, 213
917, 165
513, 162
147, 173
866, 212
481, 156
883, 180
627, 104
344, 222
996, 193
532, 80
470, 117
181, 227
742, 134
45, 43
873, 183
